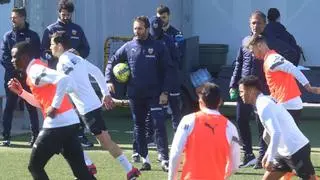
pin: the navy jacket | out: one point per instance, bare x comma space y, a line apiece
279, 39
77, 36
10, 39
148, 61
177, 36
247, 65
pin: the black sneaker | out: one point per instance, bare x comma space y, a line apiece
135, 158
248, 160
145, 167
32, 140
165, 166
85, 142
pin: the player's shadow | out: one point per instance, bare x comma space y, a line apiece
249, 173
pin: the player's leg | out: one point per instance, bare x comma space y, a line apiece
33, 114
301, 163
11, 101
296, 114
174, 101
273, 175
243, 119
46, 145
158, 117
139, 112
73, 153
262, 144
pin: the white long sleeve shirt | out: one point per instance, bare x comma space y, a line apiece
85, 98
285, 137
275, 62
181, 136
41, 76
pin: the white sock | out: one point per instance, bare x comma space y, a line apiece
146, 160
125, 163
87, 159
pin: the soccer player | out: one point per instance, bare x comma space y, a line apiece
86, 99
59, 132
288, 149
210, 141
281, 76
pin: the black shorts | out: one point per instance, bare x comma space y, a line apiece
94, 121
300, 162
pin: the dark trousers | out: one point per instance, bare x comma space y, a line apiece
149, 133
244, 112
53, 141
174, 103
139, 109
11, 103
296, 114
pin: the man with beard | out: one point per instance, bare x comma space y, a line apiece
79, 44
149, 62
20, 32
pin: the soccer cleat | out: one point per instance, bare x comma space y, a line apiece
133, 174
248, 160
165, 166
92, 169
85, 142
145, 167
136, 158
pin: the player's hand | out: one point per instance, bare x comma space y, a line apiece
111, 87
51, 112
311, 89
15, 86
74, 51
108, 102
163, 98
268, 166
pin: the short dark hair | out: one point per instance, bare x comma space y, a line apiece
163, 9
251, 81
143, 19
260, 14
273, 14
254, 40
21, 11
63, 39
24, 48
66, 4
211, 95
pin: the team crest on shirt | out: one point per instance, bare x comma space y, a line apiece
27, 39
155, 25
150, 50
74, 32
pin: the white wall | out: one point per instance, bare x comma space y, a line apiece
226, 21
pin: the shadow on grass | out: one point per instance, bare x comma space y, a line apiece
249, 173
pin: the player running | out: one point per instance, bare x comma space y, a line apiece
288, 149
59, 132
210, 141
85, 99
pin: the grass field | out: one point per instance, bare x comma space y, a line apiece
14, 160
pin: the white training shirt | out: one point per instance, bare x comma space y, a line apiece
286, 137
40, 76
185, 128
275, 62
85, 98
